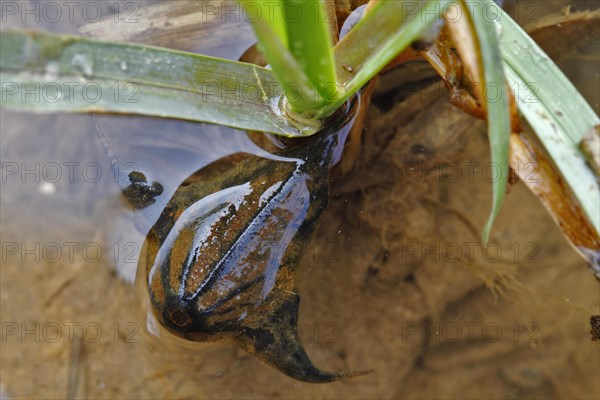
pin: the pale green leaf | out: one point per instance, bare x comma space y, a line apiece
557, 112
48, 73
498, 112
387, 29
309, 40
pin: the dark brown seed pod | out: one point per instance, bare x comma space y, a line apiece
220, 261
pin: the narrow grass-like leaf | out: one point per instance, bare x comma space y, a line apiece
272, 11
387, 29
300, 93
558, 114
309, 40
48, 73
498, 112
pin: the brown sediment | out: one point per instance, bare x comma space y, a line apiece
369, 299
372, 295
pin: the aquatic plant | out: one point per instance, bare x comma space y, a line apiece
310, 78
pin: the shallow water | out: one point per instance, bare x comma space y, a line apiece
394, 281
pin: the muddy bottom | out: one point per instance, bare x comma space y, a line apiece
395, 280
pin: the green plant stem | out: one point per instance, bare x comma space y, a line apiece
311, 45
387, 29
300, 92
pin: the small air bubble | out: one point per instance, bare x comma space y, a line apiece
51, 70
47, 188
84, 64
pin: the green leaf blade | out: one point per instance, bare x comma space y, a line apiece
300, 93
498, 109
387, 29
137, 79
309, 40
556, 111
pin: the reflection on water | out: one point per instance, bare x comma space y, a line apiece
55, 162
